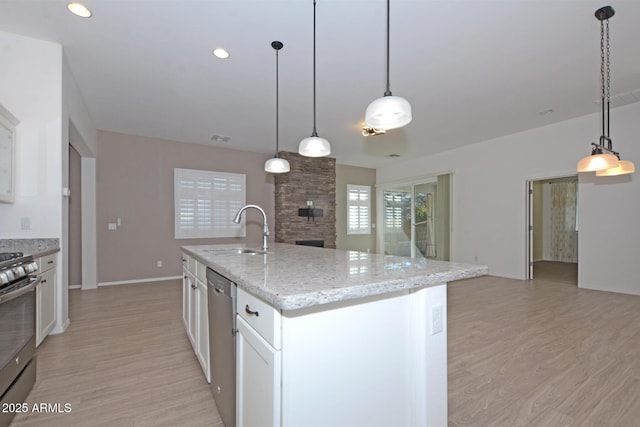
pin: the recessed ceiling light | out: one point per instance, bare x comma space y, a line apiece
221, 53
79, 9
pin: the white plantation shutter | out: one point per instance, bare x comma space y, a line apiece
359, 209
206, 202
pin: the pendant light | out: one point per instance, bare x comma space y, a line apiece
388, 112
314, 146
276, 164
603, 159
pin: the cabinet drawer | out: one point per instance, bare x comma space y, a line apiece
189, 263
47, 262
262, 317
201, 272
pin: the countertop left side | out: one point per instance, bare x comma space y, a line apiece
33, 247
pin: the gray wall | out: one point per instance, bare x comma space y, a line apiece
359, 176
135, 183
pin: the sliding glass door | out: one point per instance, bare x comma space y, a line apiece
415, 218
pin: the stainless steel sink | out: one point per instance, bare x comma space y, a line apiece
247, 251
236, 251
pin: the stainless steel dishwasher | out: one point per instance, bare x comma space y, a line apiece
222, 344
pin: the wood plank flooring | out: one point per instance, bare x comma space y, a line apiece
542, 353
521, 353
125, 360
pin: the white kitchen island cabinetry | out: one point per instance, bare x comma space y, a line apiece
371, 363
338, 338
194, 310
46, 301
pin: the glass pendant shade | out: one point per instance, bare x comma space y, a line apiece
625, 167
596, 162
277, 165
314, 146
388, 112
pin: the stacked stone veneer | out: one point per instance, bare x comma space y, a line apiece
309, 179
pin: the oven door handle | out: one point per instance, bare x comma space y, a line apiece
21, 291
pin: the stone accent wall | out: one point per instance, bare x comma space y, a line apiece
310, 178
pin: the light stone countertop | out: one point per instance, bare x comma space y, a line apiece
291, 277
34, 247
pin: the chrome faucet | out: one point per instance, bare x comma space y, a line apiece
265, 227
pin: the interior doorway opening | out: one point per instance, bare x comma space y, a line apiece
552, 229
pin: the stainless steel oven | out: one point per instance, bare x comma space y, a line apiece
17, 331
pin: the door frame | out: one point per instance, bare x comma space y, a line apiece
412, 182
529, 204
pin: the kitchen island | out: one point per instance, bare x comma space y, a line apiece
340, 338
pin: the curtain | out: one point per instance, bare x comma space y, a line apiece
563, 221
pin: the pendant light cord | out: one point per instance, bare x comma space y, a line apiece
388, 90
277, 105
314, 133
605, 82
608, 69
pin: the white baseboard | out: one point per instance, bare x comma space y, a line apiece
130, 282
58, 330
75, 287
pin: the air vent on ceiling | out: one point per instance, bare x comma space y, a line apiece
623, 98
220, 138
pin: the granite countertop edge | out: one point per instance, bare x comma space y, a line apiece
34, 247
326, 295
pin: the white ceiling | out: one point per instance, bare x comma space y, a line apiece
472, 70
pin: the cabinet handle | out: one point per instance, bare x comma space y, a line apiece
194, 286
50, 262
184, 277
43, 281
184, 260
250, 312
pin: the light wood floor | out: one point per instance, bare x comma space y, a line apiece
521, 353
542, 353
559, 272
125, 360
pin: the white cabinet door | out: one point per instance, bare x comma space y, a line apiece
258, 375
186, 291
191, 301
46, 305
202, 328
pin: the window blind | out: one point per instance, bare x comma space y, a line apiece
206, 202
359, 209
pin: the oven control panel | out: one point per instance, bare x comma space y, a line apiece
11, 274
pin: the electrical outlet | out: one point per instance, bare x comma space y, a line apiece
436, 320
112, 226
25, 223
159, 263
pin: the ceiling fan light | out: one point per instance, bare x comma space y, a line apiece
596, 162
314, 146
625, 167
277, 165
388, 112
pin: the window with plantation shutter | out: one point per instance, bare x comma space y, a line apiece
359, 209
206, 202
